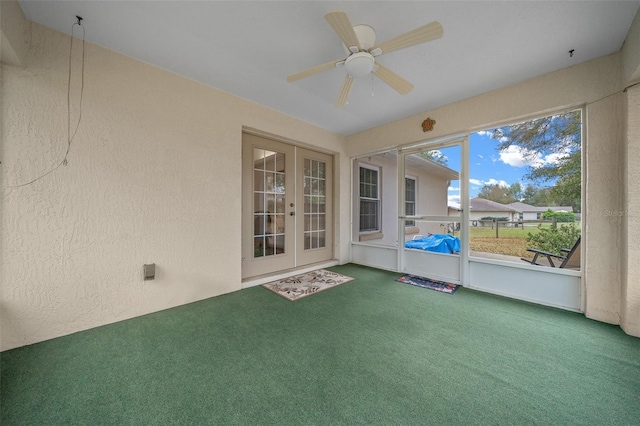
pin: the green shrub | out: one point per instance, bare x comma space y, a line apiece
560, 216
552, 239
499, 219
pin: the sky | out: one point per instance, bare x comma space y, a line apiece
490, 166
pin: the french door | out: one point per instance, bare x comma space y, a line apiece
287, 206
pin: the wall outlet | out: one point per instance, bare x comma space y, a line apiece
149, 271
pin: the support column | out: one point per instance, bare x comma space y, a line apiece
630, 297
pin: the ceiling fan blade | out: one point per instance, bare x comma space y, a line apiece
340, 23
311, 71
398, 83
343, 97
422, 34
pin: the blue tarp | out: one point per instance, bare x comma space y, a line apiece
437, 242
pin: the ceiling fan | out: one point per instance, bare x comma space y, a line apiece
362, 50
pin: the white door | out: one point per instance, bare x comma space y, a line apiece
287, 206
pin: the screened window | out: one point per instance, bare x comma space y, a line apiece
369, 199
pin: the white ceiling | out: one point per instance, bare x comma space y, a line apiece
248, 48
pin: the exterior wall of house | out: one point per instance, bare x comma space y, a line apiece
477, 215
153, 176
594, 84
431, 198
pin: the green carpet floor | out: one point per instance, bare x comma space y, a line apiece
371, 351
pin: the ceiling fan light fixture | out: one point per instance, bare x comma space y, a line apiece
359, 64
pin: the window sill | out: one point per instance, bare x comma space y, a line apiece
411, 230
371, 236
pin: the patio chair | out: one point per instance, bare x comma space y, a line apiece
569, 259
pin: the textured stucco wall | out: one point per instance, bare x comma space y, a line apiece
153, 175
603, 176
631, 284
631, 52
13, 33
596, 84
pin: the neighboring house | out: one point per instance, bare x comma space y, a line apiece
529, 212
376, 196
480, 207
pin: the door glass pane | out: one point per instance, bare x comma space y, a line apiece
268, 203
314, 204
433, 189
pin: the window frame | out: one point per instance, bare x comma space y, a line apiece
410, 223
378, 200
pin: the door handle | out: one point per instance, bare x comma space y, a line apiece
292, 214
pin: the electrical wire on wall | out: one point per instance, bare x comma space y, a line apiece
70, 135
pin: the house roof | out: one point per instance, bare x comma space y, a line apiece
248, 48
415, 160
484, 205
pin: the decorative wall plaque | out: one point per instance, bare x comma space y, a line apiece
427, 125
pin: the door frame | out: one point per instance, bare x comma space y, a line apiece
296, 258
429, 263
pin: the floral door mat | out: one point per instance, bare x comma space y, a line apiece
428, 283
303, 285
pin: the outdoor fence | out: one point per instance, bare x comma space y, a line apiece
497, 224
454, 227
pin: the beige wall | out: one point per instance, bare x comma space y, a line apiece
631, 53
631, 230
153, 175
13, 33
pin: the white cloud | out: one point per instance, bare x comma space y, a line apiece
517, 156
496, 134
454, 188
555, 158
480, 156
453, 201
492, 181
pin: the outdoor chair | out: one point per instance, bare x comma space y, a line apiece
569, 259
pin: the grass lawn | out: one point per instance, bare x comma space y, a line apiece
511, 241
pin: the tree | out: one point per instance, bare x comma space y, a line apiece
515, 191
496, 192
535, 196
552, 146
435, 156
